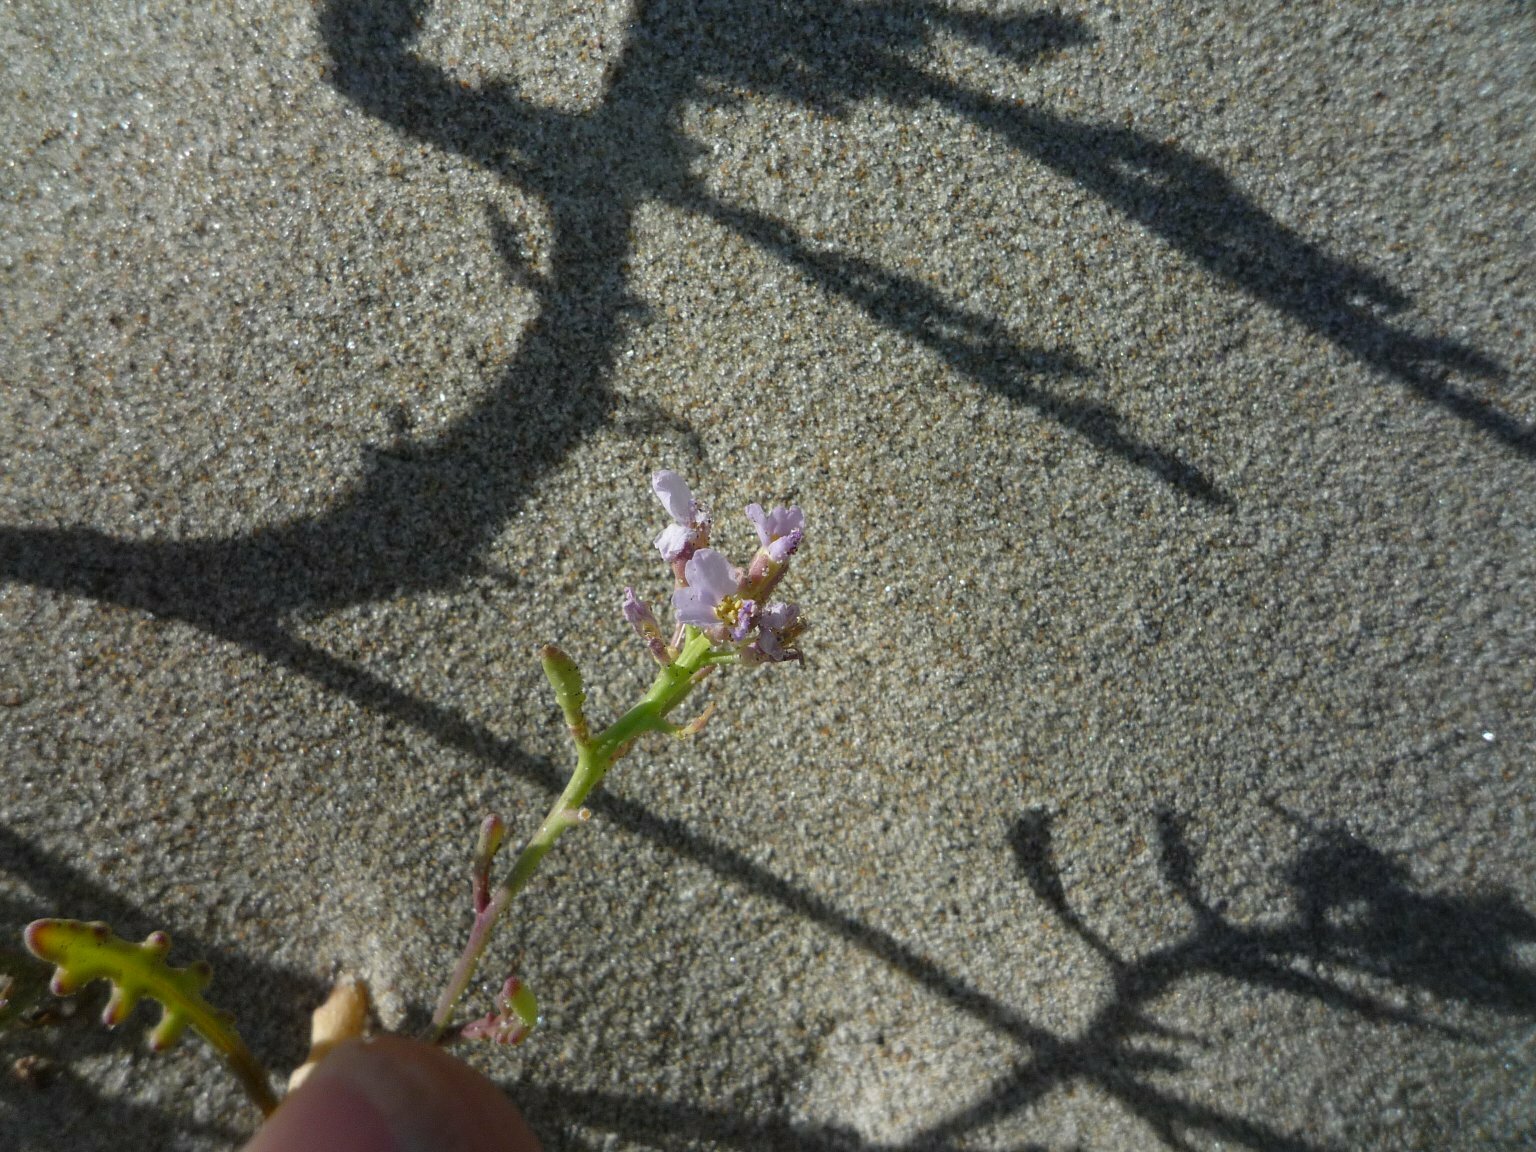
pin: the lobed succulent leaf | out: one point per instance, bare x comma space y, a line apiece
83, 952
86, 952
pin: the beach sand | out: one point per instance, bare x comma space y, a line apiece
1156, 380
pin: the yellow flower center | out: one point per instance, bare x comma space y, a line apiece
728, 610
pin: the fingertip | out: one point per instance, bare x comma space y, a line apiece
394, 1095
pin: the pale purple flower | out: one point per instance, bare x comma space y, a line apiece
639, 615
710, 597
691, 527
643, 621
675, 495
731, 606
779, 626
779, 531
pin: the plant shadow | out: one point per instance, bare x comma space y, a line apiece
1358, 936
1354, 914
421, 516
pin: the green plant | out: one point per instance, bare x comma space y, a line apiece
725, 616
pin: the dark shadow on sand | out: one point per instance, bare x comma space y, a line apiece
1355, 923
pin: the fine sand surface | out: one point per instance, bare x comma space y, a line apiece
1156, 379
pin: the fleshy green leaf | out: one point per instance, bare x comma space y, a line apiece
84, 952
565, 678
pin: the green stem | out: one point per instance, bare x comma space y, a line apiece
594, 756
252, 1076
220, 1034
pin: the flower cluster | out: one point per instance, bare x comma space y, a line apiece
729, 605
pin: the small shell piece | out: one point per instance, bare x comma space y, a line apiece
343, 1017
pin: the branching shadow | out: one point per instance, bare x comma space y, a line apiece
1195, 208
1457, 949
1354, 915
422, 518
826, 57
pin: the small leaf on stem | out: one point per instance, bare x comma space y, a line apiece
492, 834
694, 726
518, 1017
565, 678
